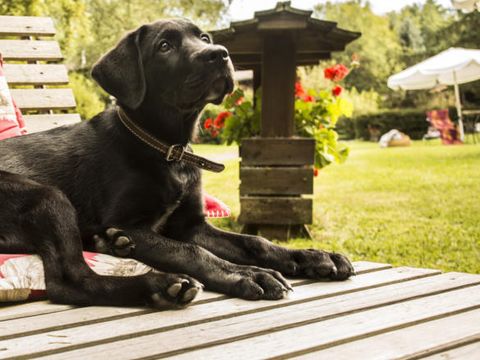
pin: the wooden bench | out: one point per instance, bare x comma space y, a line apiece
34, 73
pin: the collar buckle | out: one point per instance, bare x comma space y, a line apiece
171, 155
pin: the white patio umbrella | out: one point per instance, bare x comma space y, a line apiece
466, 5
450, 67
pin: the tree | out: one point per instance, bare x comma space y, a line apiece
110, 19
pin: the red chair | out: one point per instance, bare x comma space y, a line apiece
441, 121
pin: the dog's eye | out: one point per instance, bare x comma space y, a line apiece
165, 46
206, 38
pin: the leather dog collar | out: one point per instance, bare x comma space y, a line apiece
176, 152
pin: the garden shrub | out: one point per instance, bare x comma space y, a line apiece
345, 129
87, 95
411, 122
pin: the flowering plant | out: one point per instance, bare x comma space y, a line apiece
245, 116
316, 115
336, 72
212, 123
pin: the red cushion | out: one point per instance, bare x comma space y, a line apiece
22, 276
214, 208
11, 119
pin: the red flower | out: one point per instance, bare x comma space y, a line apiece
337, 90
219, 122
299, 91
220, 119
214, 133
239, 101
224, 114
315, 172
336, 72
329, 73
208, 123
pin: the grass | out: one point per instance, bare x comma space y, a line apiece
416, 206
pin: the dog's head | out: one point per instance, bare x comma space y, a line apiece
167, 62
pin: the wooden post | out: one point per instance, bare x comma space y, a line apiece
257, 78
257, 82
278, 86
274, 174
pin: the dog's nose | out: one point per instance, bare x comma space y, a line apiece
216, 55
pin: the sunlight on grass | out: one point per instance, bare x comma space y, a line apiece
416, 206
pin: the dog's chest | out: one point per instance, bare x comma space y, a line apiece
178, 185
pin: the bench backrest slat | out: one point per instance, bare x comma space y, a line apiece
33, 74
30, 50
26, 26
33, 71
44, 99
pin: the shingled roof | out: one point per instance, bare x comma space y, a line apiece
314, 39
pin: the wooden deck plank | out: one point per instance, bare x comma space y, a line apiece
467, 352
154, 323
76, 316
362, 267
338, 330
9, 312
45, 307
410, 342
255, 325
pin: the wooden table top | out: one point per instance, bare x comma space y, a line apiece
382, 313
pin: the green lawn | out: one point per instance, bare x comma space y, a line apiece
416, 206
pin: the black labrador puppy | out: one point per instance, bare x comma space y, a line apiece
115, 184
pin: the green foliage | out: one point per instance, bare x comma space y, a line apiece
411, 122
111, 19
318, 119
363, 102
245, 119
345, 129
89, 100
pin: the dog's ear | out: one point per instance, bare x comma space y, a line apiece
120, 71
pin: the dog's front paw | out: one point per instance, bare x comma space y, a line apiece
172, 291
114, 242
256, 283
317, 264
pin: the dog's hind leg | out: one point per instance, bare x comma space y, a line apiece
40, 219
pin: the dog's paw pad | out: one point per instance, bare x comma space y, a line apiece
190, 294
115, 242
175, 288
256, 283
178, 291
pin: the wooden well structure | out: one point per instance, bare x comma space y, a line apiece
276, 168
